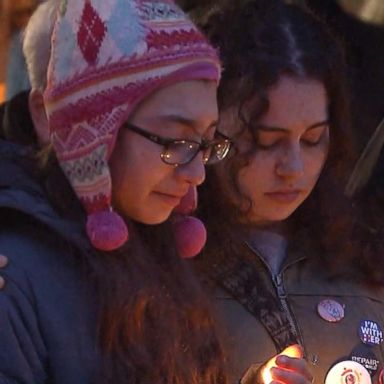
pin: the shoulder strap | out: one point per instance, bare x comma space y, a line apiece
244, 282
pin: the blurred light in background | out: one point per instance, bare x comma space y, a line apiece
14, 15
368, 10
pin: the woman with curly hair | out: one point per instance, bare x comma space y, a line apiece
285, 257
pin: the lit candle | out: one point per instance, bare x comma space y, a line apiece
291, 351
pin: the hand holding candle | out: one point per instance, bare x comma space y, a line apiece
289, 367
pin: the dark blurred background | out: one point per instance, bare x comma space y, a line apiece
360, 23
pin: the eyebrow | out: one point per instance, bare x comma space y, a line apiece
280, 129
186, 121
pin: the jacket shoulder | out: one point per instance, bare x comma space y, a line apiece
37, 255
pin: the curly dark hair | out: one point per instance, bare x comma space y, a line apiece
260, 42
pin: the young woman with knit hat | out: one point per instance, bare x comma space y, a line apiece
286, 260
97, 226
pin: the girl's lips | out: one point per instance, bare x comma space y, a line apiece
285, 197
169, 199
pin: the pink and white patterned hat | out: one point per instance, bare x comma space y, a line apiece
106, 57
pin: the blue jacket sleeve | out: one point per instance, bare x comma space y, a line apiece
22, 351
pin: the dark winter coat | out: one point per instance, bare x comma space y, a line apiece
47, 311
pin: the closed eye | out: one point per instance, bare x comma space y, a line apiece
314, 136
269, 139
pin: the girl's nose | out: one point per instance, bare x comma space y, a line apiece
193, 172
291, 164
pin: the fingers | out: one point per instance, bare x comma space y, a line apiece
293, 364
3, 263
288, 377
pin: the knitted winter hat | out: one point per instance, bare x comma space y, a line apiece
106, 57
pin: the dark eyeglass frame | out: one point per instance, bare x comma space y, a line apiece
166, 142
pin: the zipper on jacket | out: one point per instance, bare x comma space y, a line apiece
282, 295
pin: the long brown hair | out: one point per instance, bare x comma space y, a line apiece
155, 322
259, 42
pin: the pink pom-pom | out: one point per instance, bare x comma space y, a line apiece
106, 230
188, 203
190, 235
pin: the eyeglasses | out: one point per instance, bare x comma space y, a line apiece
180, 152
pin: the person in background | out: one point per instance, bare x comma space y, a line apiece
286, 261
96, 225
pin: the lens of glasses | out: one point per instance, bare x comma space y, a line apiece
180, 152
218, 151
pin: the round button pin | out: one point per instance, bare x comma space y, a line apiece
348, 372
370, 332
330, 310
364, 355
